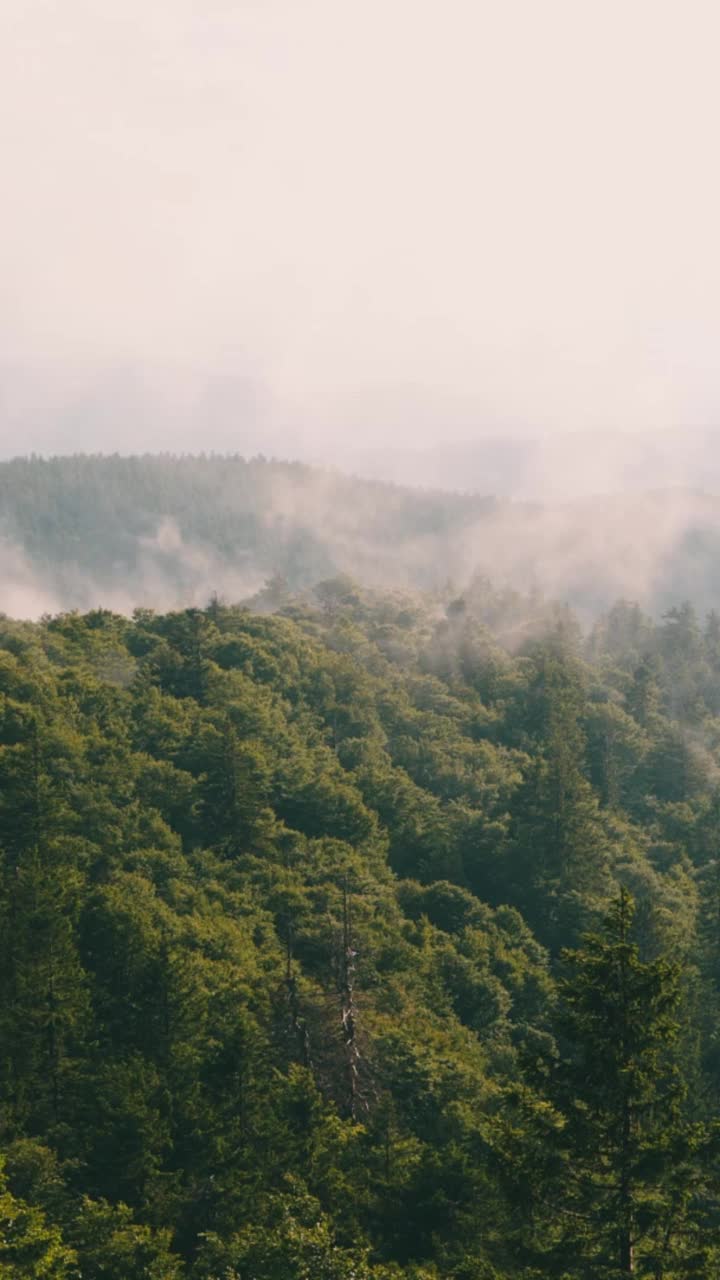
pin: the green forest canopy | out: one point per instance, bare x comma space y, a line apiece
375, 937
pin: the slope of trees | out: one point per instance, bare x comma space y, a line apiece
373, 938
167, 531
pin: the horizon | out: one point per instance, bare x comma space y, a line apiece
550, 474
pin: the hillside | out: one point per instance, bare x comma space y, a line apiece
167, 531
283, 909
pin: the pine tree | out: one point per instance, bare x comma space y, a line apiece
559, 852
44, 991
643, 696
627, 1197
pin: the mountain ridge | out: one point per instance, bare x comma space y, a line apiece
171, 530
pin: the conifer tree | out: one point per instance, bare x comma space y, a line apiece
628, 1195
559, 853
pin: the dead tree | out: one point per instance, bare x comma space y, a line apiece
348, 1007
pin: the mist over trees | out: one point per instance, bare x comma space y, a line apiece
360, 718
167, 531
368, 937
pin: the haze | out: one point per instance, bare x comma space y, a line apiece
326, 229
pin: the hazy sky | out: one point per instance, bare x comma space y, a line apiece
225, 220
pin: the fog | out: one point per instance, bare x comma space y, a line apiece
364, 233
78, 533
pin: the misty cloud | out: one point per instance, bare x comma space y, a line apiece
167, 574
164, 532
22, 592
312, 229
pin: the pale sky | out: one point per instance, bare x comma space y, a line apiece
403, 220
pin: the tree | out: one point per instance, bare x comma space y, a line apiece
30, 1248
643, 696
559, 851
112, 1246
628, 1191
44, 1000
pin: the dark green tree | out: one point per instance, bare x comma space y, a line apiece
629, 1195
559, 854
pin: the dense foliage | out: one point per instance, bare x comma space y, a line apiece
359, 936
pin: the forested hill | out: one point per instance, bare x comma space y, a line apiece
368, 940
129, 531
171, 531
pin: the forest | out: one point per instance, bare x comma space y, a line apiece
165, 531
351, 934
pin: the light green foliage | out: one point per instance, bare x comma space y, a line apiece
115, 1247
30, 1247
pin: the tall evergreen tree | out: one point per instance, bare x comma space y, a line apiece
559, 853
628, 1196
